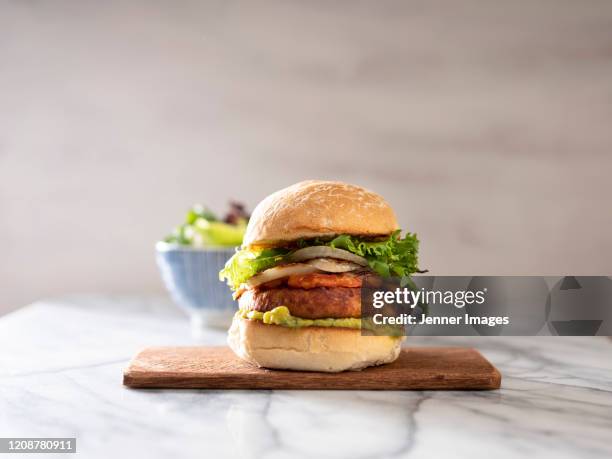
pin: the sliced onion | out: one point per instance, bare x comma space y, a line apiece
322, 251
280, 271
333, 266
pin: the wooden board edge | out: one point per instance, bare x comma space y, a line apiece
484, 382
133, 379
496, 377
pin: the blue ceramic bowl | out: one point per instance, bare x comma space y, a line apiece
191, 276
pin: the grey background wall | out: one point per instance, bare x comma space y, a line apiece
487, 125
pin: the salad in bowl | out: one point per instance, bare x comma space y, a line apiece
190, 259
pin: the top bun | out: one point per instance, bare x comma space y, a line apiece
316, 208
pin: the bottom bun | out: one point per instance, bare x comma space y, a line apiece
309, 348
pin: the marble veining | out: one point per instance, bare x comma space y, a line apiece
60, 375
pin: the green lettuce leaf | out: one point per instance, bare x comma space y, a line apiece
245, 263
391, 256
202, 228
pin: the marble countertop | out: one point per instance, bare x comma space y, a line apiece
61, 365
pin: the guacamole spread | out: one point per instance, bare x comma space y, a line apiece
281, 316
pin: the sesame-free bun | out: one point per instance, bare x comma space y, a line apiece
318, 208
328, 349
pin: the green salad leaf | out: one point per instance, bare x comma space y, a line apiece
391, 256
202, 228
245, 263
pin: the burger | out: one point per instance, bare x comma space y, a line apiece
299, 274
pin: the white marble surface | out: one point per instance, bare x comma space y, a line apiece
60, 375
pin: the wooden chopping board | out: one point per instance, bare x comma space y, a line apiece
218, 368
